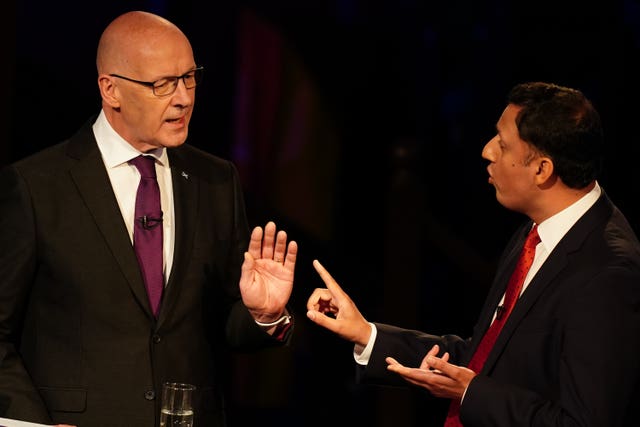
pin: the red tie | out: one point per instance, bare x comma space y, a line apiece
502, 313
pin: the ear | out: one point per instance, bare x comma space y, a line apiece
544, 170
108, 90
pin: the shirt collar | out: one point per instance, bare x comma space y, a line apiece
116, 150
553, 229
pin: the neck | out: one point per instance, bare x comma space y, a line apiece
558, 199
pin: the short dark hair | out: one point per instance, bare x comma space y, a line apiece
561, 123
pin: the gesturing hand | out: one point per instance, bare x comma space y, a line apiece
332, 309
435, 374
267, 274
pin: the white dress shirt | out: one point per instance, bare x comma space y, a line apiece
116, 152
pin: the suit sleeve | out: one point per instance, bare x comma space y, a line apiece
18, 396
409, 348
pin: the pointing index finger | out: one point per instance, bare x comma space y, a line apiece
328, 280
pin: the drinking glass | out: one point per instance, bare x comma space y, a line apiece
177, 408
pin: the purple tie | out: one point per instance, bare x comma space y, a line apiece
147, 231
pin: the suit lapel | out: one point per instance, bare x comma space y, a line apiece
93, 184
499, 286
552, 266
185, 196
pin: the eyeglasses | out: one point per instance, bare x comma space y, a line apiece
167, 85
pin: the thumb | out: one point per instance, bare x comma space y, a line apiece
246, 271
247, 264
323, 320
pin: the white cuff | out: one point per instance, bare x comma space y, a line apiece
284, 320
362, 354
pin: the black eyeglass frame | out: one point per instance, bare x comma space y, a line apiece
197, 79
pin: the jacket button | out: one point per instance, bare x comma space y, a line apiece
156, 339
149, 394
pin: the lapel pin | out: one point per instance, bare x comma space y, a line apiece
185, 175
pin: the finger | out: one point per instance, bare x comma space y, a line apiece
415, 376
320, 298
255, 244
398, 368
268, 241
292, 255
332, 285
280, 248
246, 270
321, 319
394, 365
391, 361
441, 365
312, 301
432, 352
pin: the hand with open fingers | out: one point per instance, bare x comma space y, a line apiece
266, 279
433, 352
334, 310
436, 374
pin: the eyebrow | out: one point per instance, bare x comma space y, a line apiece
194, 68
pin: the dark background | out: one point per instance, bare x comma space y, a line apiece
357, 126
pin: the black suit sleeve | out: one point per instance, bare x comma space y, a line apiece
17, 264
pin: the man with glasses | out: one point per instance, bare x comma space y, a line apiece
81, 342
167, 85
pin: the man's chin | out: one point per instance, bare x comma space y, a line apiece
174, 142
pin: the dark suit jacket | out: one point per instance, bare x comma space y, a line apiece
78, 341
568, 354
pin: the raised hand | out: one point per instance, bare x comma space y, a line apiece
267, 274
334, 310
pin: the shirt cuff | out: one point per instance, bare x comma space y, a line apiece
362, 354
284, 319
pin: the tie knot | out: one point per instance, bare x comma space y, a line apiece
532, 238
146, 166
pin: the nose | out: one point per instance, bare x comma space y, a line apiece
488, 151
182, 95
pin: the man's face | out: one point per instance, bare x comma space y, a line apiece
148, 121
511, 170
